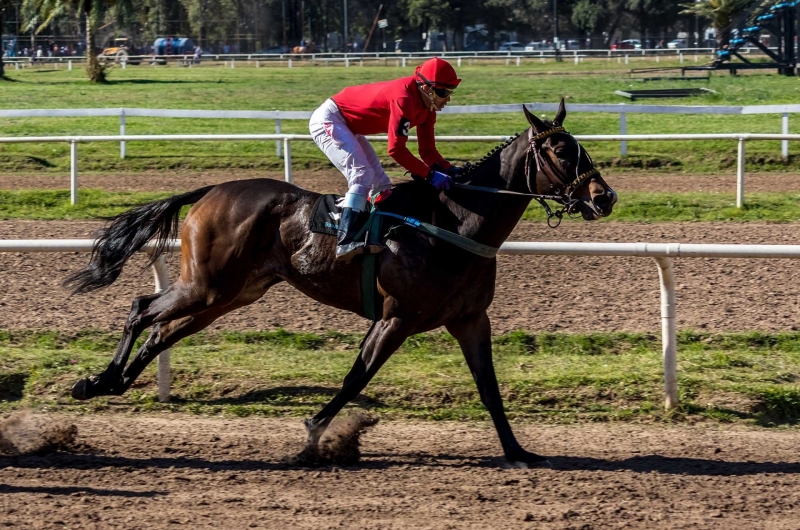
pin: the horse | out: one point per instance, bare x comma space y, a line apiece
308, 48
242, 237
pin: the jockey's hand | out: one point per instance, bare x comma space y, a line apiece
454, 172
440, 181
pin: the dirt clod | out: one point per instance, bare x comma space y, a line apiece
340, 445
24, 433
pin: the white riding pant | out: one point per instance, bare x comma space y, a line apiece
350, 153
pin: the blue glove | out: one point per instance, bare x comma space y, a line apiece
439, 180
454, 171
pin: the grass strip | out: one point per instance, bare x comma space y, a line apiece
750, 378
639, 207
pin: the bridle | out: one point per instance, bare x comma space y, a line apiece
565, 198
535, 151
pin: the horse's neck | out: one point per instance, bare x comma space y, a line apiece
490, 218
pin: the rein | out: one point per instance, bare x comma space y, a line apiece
565, 198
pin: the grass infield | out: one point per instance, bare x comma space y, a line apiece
305, 88
749, 378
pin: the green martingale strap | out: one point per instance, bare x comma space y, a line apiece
479, 249
371, 299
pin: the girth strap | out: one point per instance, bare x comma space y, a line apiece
479, 249
371, 299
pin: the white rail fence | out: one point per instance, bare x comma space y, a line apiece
622, 109
663, 253
286, 139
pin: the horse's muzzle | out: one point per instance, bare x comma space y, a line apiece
600, 205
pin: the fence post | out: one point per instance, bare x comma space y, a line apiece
623, 129
278, 131
287, 160
122, 133
740, 174
668, 335
785, 130
69, 65
459, 62
73, 172
164, 375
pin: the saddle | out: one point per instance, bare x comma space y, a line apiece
380, 226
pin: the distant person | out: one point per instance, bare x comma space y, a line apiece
339, 125
198, 53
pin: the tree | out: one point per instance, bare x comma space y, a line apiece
4, 5
39, 14
724, 14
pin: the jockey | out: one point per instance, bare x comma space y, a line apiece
338, 127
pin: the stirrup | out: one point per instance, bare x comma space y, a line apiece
348, 251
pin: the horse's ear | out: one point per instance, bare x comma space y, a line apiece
537, 124
561, 114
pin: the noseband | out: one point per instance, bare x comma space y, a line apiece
555, 177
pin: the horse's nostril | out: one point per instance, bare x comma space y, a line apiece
602, 202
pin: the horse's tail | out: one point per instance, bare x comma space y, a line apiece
127, 234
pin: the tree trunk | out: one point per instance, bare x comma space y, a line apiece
95, 71
2, 67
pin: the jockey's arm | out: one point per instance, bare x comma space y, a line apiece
398, 138
427, 144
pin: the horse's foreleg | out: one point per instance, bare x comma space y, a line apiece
474, 335
380, 344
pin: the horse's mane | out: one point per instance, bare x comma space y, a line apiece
499, 148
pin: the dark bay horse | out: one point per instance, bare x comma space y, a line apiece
242, 237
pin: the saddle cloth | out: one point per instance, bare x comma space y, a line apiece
325, 215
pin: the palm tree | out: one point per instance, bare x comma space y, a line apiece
94, 12
722, 13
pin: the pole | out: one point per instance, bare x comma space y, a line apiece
73, 172
556, 44
346, 37
164, 376
668, 335
623, 129
287, 160
740, 174
372, 29
122, 133
785, 130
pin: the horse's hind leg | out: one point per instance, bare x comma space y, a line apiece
166, 334
178, 301
138, 321
380, 344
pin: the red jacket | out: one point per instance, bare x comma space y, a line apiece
394, 106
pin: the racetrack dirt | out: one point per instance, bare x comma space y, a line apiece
534, 293
332, 182
172, 471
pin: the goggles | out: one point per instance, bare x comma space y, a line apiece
439, 91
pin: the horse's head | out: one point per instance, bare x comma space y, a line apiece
564, 168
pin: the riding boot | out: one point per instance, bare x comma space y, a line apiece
347, 247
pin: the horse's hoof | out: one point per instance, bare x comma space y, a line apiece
525, 460
541, 464
80, 390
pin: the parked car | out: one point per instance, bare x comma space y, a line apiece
677, 43
512, 46
571, 44
534, 46
627, 44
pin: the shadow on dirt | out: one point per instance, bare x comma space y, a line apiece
370, 461
283, 395
76, 490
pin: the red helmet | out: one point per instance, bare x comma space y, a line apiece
437, 73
